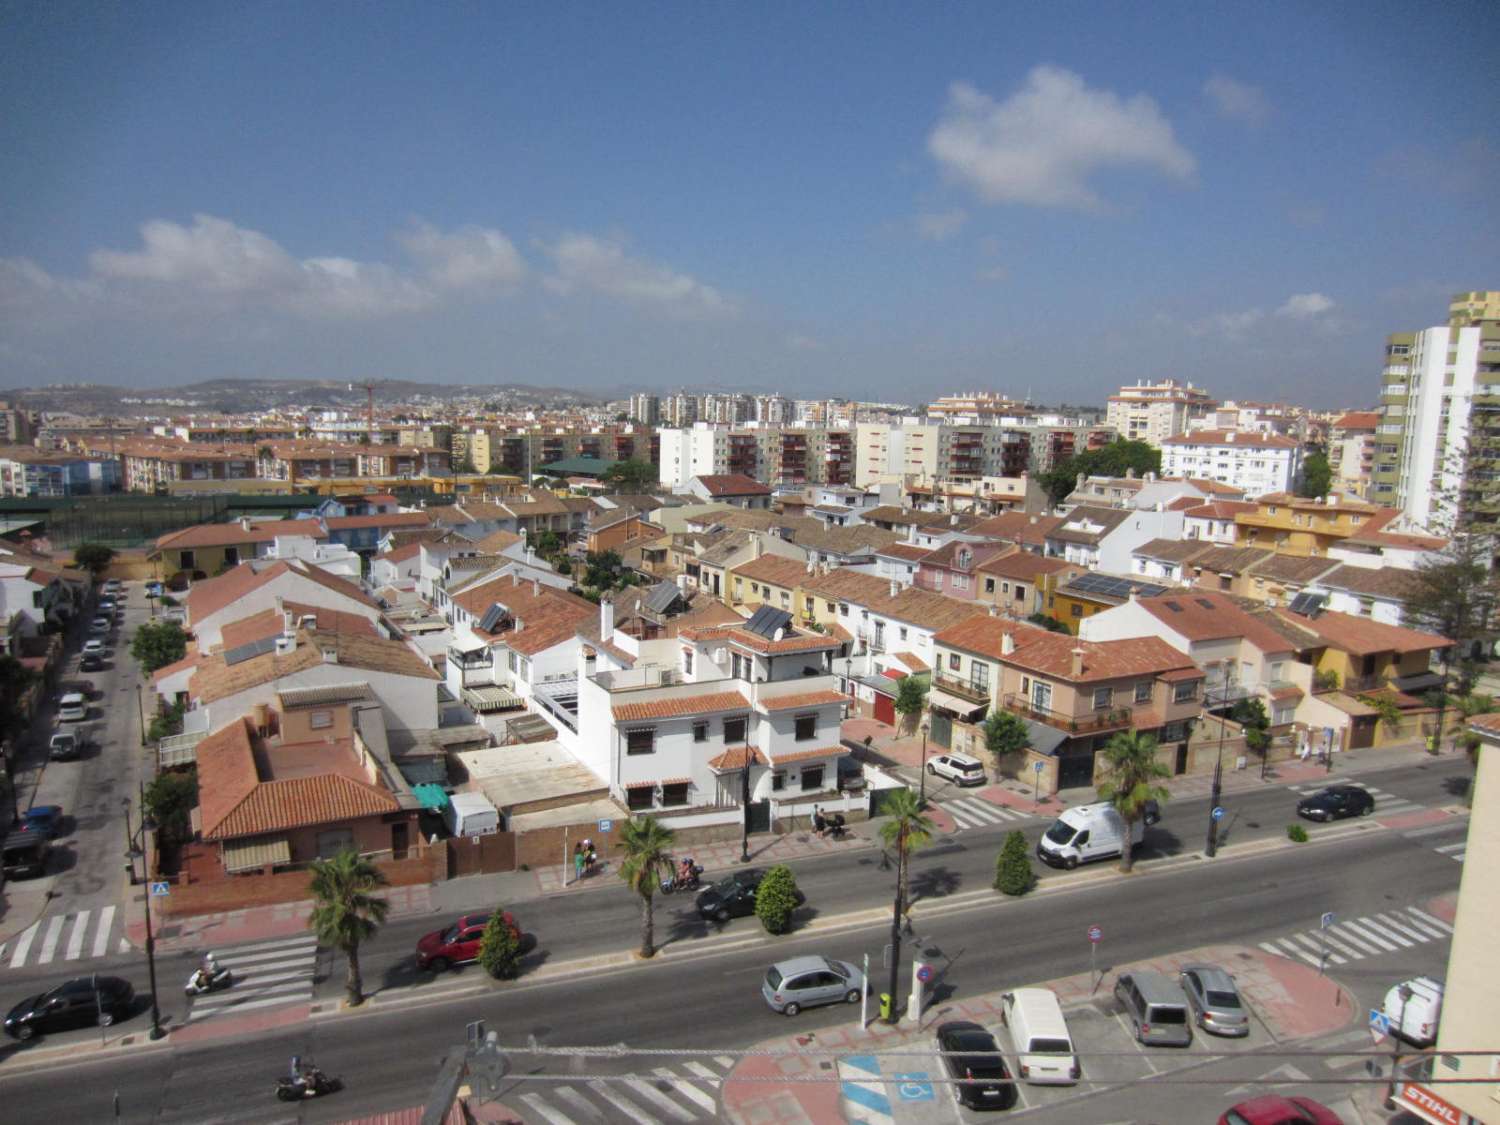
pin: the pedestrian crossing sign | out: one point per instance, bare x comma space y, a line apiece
1380, 1024
161, 890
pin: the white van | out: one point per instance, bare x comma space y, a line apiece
1416, 1020
1044, 1049
470, 814
73, 707
1090, 832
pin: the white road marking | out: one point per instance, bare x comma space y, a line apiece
23, 945
49, 943
660, 1100
687, 1088
101, 936
1358, 943
578, 1102
1401, 927
1426, 917
702, 1071
537, 1106
632, 1111
1375, 939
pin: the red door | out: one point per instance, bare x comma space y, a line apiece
885, 708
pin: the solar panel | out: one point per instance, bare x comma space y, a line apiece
492, 617
1204, 602
766, 620
1173, 606
1307, 605
1110, 586
246, 651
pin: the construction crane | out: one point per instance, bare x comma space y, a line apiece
369, 405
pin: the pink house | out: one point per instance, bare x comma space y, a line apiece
949, 569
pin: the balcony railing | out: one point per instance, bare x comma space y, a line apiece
1113, 718
964, 689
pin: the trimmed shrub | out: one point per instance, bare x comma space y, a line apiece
500, 948
776, 898
1013, 872
1296, 833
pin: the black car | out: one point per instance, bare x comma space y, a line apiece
1335, 803
731, 897
91, 662
973, 1060
81, 1002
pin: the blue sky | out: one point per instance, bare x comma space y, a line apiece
878, 200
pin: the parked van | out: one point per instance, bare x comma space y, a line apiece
25, 854
1156, 1007
1044, 1049
73, 707
1090, 832
470, 814
1416, 1020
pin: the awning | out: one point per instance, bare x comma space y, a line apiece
1044, 739
430, 796
491, 697
961, 707
254, 854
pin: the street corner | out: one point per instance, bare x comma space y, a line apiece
1419, 819
1010, 798
1444, 907
1293, 1000
942, 820
783, 1088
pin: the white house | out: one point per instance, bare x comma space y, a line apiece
1106, 538
1254, 463
253, 588
1361, 591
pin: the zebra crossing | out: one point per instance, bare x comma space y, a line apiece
85, 935
685, 1092
267, 974
1354, 939
975, 812
1454, 851
1386, 804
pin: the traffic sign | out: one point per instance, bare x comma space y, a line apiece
924, 974
1380, 1024
914, 1087
161, 890
605, 826
1329, 918
1218, 813
1037, 766
1096, 935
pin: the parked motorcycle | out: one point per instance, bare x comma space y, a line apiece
216, 980
308, 1082
680, 882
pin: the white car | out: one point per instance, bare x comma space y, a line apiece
957, 768
112, 586
101, 625
93, 647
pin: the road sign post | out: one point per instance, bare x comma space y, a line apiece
1324, 923
1036, 781
864, 997
1096, 935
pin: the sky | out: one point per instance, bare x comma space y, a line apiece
878, 200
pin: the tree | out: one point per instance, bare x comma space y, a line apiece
170, 799
1131, 757
905, 831
1387, 708
167, 723
647, 846
15, 681
632, 475
500, 947
346, 912
157, 644
547, 544
605, 571
1013, 872
1317, 475
911, 697
1113, 460
1005, 734
93, 557
776, 898
1051, 624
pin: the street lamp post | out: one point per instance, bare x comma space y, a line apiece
745, 808
1405, 992
1213, 803
140, 707
922, 796
148, 823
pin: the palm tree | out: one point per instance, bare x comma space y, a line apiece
905, 831
1132, 770
646, 842
345, 911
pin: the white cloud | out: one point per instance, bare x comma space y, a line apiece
941, 226
582, 262
465, 258
1304, 305
1041, 145
1238, 101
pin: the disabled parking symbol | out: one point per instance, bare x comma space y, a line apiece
913, 1087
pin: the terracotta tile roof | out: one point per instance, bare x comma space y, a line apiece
985, 635
775, 569
1212, 487
792, 642
947, 521
208, 597
1362, 637
1204, 615
1217, 510
907, 552
1358, 420
215, 679
923, 608
1018, 527
333, 582
1245, 438
1286, 691
1025, 566
1230, 560
231, 534
734, 759
269, 623
496, 542
912, 661
226, 773
680, 706
803, 699
1377, 538
1292, 568
1107, 519
1490, 724
1051, 654
1382, 582
520, 597
391, 520
1171, 550
733, 484
189, 661
804, 755
402, 553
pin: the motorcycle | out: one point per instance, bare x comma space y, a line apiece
309, 1082
219, 978
680, 882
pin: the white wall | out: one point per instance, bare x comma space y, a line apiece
407, 702
290, 587
1117, 547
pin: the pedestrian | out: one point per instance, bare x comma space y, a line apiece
577, 862
819, 824
590, 858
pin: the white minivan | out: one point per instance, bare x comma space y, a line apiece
1416, 1018
1090, 832
1044, 1049
73, 707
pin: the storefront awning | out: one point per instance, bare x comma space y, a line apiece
963, 708
254, 854
490, 697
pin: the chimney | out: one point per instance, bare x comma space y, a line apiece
1077, 663
287, 627
895, 588
245, 523
994, 610
530, 556
1007, 644
536, 587
911, 532
1130, 474
285, 644
606, 618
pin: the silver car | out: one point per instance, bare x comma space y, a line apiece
803, 982
1215, 1001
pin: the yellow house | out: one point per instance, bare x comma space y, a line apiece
769, 580
1296, 525
205, 550
1087, 594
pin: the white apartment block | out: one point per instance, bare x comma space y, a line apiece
1254, 463
891, 453
1153, 412
698, 451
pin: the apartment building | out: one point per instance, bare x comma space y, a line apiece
1252, 463
1440, 391
1018, 583
1153, 412
885, 453
1298, 525
1351, 451
26, 472
982, 408
645, 409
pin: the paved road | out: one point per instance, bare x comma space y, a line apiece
706, 997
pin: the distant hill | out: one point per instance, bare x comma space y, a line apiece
235, 396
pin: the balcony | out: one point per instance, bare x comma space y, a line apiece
1114, 718
965, 689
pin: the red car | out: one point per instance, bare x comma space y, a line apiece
1273, 1109
458, 943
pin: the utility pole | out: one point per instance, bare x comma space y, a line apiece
1213, 801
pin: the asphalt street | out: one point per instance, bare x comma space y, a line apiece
703, 995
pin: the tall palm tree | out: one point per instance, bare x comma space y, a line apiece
905, 831
346, 913
647, 842
1133, 769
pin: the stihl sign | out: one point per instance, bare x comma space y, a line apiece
1433, 1107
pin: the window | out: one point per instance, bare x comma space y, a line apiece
1020, 592
1103, 697
187, 560
675, 794
639, 798
687, 661
954, 662
700, 731
641, 741
1075, 610
1174, 732
901, 631
778, 781
739, 667
843, 609
1143, 692
1041, 695
812, 778
1005, 587
786, 600
320, 720
734, 729
830, 606
806, 728
1185, 692
513, 661
989, 585
1278, 669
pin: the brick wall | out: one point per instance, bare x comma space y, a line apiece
237, 892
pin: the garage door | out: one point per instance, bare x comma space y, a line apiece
885, 709
1075, 769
